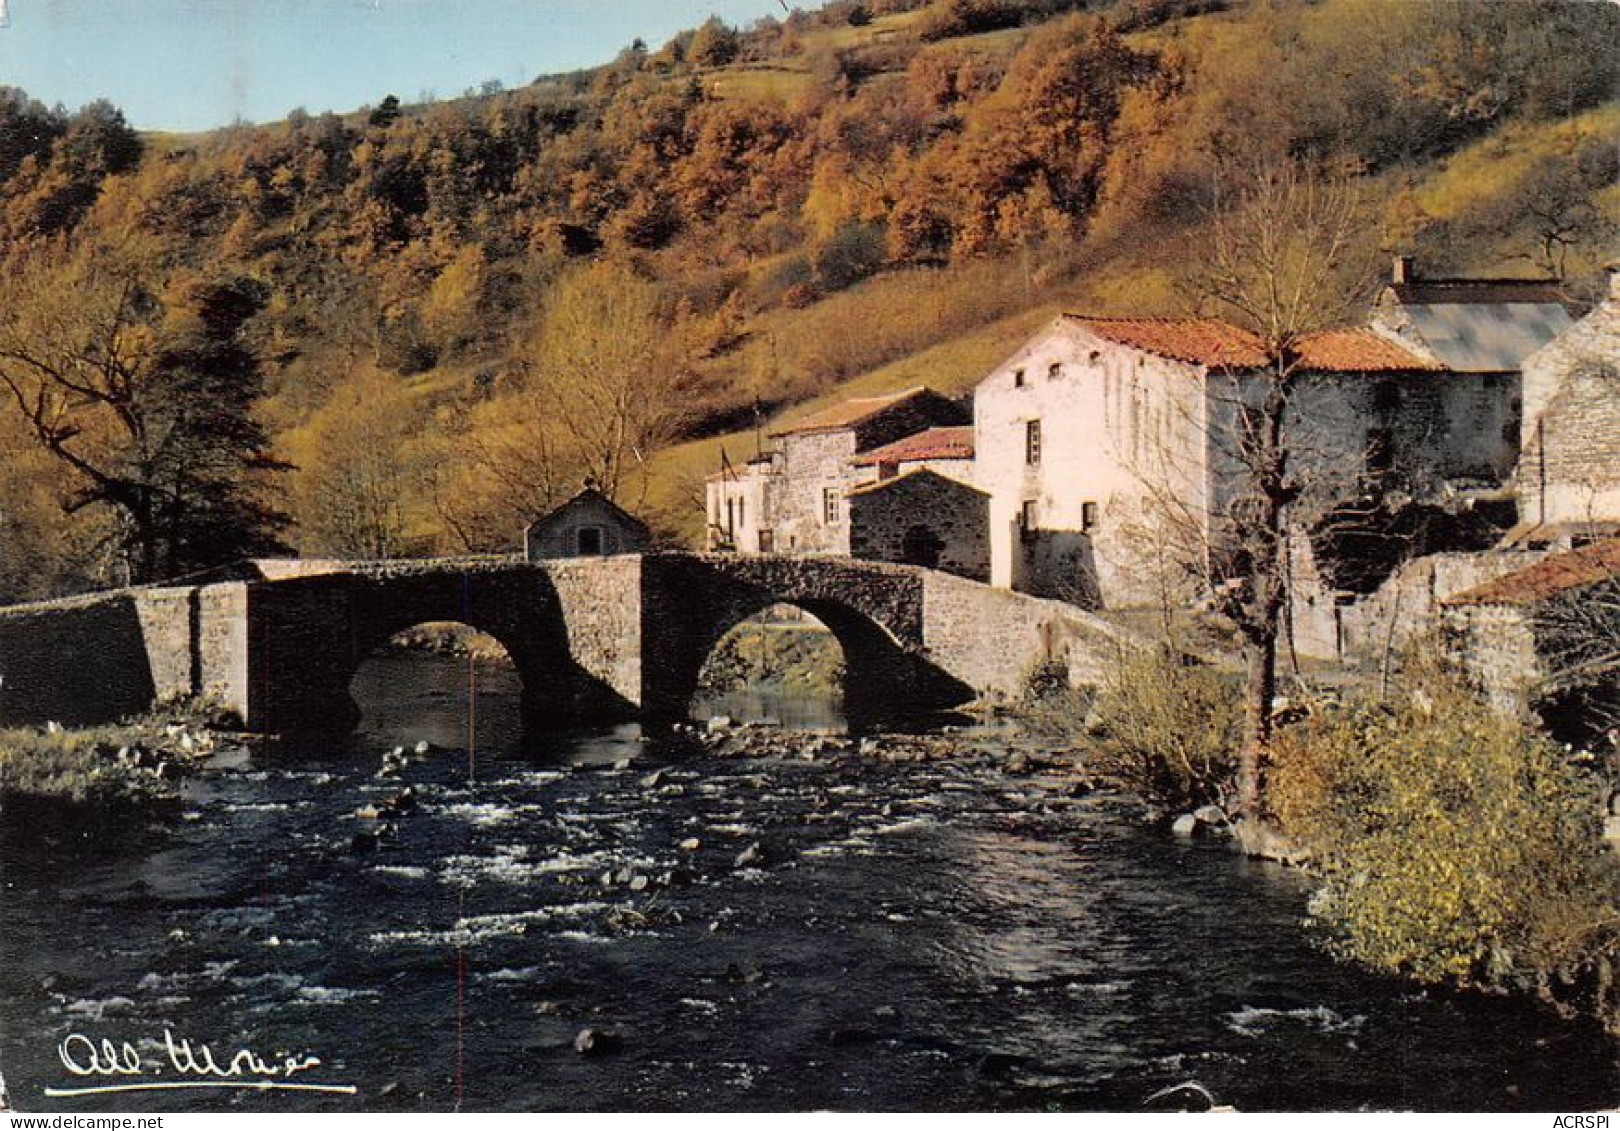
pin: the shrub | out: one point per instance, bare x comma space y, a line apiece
1171, 728
854, 252
1455, 845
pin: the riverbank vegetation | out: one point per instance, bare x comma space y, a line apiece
1449, 843
134, 766
1454, 844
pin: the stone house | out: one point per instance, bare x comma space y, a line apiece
1107, 444
922, 517
1568, 478
588, 525
1546, 637
794, 499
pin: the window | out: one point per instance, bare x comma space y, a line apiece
742, 515
1054, 371
767, 541
588, 541
1018, 378
1088, 517
829, 505
1032, 442
1027, 518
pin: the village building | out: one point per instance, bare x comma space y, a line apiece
922, 517
1107, 444
795, 499
1568, 478
948, 451
1471, 325
1543, 637
589, 525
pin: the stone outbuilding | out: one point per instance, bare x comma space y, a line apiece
922, 518
1546, 637
1568, 478
589, 525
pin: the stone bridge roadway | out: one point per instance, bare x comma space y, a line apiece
593, 639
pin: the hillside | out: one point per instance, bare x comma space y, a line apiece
462, 309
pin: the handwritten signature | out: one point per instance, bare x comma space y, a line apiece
195, 1064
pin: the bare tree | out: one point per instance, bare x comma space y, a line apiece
605, 367
1287, 259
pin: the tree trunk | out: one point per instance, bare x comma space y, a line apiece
1259, 691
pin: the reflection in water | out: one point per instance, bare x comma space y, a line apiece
934, 936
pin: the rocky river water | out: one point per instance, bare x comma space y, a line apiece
716, 933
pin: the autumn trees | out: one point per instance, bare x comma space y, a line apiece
597, 389
142, 390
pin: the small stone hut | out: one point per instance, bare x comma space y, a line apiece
590, 525
922, 518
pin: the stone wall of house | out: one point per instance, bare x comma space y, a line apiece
1496, 645
1121, 431
1429, 430
1570, 469
812, 464
1362, 632
889, 523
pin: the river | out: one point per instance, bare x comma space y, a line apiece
933, 936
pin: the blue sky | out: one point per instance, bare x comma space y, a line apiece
194, 64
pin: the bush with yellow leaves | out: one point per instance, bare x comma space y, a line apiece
1454, 844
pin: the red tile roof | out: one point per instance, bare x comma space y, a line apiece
846, 414
1211, 342
1549, 578
934, 443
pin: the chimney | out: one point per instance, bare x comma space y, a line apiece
1405, 270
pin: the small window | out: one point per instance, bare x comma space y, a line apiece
1018, 378
742, 514
829, 505
1027, 518
1054, 371
588, 541
1088, 517
1032, 442
1093, 356
767, 541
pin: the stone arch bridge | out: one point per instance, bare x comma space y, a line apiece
594, 639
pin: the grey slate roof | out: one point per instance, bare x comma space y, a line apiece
1479, 337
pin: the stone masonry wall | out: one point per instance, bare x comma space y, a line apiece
956, 518
602, 614
994, 639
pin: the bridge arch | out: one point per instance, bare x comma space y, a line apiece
875, 615
309, 636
